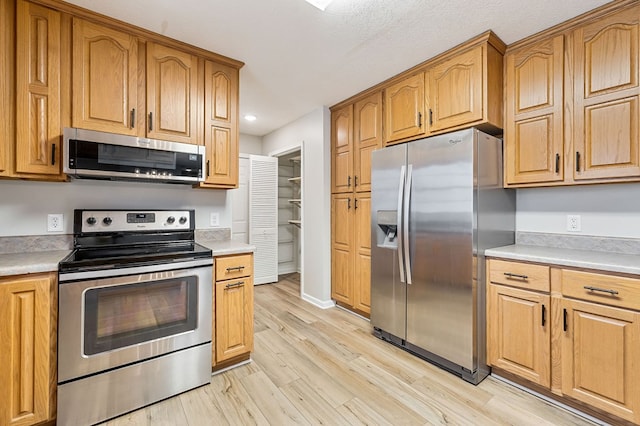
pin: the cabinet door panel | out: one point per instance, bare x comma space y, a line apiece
25, 368
534, 124
342, 248
172, 90
455, 91
519, 339
404, 109
368, 137
105, 86
606, 97
342, 149
362, 266
600, 348
234, 318
38, 125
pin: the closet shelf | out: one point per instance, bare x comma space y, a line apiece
296, 179
295, 158
297, 202
297, 223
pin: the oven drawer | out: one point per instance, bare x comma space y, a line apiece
235, 266
600, 288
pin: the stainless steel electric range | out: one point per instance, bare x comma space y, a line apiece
134, 313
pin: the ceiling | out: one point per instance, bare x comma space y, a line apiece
298, 58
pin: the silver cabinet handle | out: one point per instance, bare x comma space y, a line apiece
516, 276
234, 285
235, 268
602, 290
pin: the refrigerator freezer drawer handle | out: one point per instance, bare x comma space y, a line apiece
405, 221
400, 224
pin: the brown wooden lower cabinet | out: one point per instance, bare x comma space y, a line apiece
28, 304
232, 309
579, 341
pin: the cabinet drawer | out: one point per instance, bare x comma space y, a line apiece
234, 267
609, 289
516, 274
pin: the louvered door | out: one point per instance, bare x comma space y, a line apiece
263, 217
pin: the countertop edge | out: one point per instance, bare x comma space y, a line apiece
586, 259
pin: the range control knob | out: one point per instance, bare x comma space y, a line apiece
171, 219
107, 221
91, 220
183, 220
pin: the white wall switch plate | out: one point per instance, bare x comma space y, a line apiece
214, 219
573, 223
55, 222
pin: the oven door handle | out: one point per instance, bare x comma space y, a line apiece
110, 272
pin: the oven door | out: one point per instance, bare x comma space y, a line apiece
109, 322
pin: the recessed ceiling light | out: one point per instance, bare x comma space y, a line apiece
320, 4
250, 117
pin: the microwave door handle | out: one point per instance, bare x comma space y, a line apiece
400, 224
405, 222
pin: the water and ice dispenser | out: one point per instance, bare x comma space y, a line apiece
387, 231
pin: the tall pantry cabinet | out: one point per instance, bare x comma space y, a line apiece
356, 131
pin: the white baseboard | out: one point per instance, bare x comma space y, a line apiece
322, 304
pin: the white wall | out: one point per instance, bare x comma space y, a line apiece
611, 210
313, 131
24, 205
250, 144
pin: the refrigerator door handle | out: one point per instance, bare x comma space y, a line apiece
400, 236
405, 223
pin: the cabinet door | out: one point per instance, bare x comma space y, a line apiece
600, 352
533, 134
172, 94
234, 318
518, 333
26, 373
342, 248
105, 79
221, 124
7, 82
404, 109
606, 97
342, 149
38, 128
367, 138
362, 267
455, 91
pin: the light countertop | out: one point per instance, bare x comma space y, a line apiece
588, 259
31, 262
226, 247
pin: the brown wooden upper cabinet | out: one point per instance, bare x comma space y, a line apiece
342, 149
367, 122
460, 88
571, 101
606, 97
105, 80
534, 111
221, 125
404, 109
38, 99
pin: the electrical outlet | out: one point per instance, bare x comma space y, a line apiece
214, 219
55, 222
573, 223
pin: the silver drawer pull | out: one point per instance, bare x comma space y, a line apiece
234, 285
516, 276
603, 290
235, 268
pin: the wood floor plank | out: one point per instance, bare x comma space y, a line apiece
275, 406
358, 413
235, 402
312, 406
278, 371
199, 409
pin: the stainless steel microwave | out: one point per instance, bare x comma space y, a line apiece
100, 155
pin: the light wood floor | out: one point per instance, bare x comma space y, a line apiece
314, 366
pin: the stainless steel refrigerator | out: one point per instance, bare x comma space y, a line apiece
436, 205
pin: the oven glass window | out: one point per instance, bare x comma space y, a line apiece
126, 315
